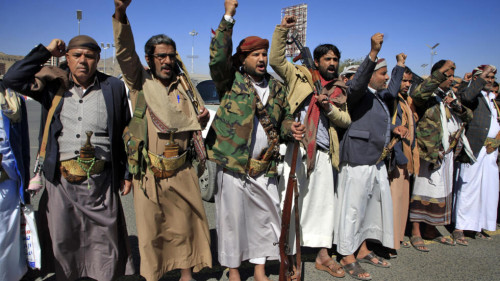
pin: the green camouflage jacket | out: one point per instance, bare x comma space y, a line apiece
230, 136
429, 128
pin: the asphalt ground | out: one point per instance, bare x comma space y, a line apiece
478, 261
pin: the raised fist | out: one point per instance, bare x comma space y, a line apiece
401, 59
447, 66
230, 6
57, 48
288, 21
376, 41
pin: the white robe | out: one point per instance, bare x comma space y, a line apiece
316, 200
12, 252
364, 207
477, 186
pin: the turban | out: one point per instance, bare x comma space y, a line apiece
478, 70
247, 45
380, 63
83, 41
351, 69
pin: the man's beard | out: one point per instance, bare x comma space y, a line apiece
253, 72
327, 75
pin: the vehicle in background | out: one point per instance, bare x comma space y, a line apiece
207, 180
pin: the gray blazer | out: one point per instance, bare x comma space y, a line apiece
365, 138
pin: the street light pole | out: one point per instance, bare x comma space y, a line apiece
79, 18
423, 66
432, 52
193, 33
104, 47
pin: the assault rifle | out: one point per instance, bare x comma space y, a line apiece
287, 269
197, 141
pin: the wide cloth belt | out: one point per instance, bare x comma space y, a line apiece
75, 171
164, 167
256, 167
491, 144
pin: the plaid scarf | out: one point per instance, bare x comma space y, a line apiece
312, 119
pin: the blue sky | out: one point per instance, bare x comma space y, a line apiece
468, 31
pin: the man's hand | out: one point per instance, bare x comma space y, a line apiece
230, 6
125, 187
323, 102
288, 21
57, 48
467, 77
298, 130
487, 70
376, 44
447, 66
401, 59
402, 131
121, 9
203, 117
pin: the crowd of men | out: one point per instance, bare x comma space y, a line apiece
372, 154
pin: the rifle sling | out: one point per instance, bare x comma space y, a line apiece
55, 102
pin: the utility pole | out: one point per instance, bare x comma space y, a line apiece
104, 47
432, 52
192, 33
79, 18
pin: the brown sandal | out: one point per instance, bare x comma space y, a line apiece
326, 267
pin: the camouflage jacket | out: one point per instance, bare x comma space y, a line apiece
230, 136
429, 128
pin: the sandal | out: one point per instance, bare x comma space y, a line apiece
444, 240
369, 259
483, 236
406, 244
326, 266
459, 238
356, 269
418, 243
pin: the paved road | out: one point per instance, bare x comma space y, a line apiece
479, 261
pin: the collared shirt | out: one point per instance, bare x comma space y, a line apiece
84, 110
388, 131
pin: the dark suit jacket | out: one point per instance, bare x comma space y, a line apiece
20, 77
477, 129
365, 138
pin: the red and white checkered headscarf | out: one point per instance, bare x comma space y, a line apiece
478, 70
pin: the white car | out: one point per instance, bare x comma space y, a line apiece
207, 181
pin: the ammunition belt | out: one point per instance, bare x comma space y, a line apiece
491, 144
164, 167
255, 167
75, 171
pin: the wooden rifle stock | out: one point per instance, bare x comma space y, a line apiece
286, 265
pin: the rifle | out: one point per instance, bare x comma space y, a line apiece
307, 60
197, 138
286, 264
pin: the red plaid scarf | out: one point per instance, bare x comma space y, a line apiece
312, 120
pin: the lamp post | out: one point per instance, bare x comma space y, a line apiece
423, 66
79, 18
432, 52
104, 47
113, 51
193, 33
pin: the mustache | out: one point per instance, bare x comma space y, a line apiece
167, 67
331, 68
